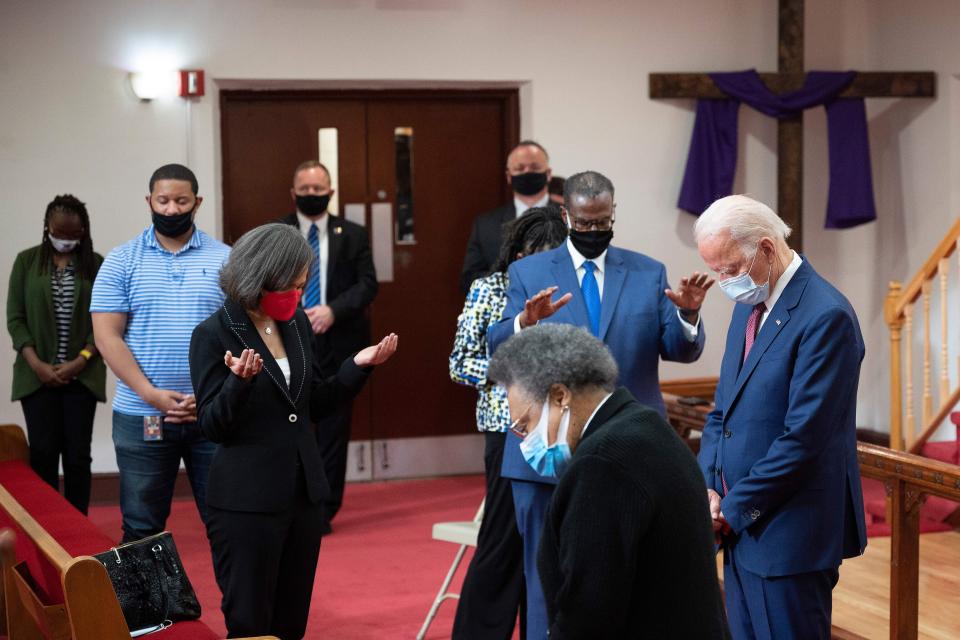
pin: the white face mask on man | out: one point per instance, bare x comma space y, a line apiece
741, 288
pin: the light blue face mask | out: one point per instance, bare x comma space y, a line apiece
743, 289
547, 460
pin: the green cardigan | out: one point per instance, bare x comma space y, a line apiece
31, 322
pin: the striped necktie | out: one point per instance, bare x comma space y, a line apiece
311, 295
753, 326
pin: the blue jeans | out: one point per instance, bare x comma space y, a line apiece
148, 472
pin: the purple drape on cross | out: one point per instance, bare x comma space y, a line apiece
713, 148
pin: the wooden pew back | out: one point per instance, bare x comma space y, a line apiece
56, 590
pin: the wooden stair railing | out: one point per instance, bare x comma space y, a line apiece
900, 309
908, 480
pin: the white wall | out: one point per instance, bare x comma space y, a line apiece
69, 124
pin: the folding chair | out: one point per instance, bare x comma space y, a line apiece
464, 534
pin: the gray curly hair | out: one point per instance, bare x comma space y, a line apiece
539, 357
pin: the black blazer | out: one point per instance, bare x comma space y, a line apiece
265, 429
627, 548
484, 244
483, 248
350, 285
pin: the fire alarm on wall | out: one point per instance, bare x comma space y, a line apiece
191, 83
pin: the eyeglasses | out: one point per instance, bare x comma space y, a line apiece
601, 224
514, 426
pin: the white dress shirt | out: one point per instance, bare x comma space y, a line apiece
782, 283
284, 364
321, 223
689, 331
522, 206
593, 415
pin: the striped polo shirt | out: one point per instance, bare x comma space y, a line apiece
165, 295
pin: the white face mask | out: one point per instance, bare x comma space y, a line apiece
63, 246
743, 289
546, 459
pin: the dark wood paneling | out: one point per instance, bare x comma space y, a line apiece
458, 160
461, 140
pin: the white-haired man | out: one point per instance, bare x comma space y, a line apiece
779, 450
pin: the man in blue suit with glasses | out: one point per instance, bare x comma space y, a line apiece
623, 298
779, 451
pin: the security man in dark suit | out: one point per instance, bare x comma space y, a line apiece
343, 283
528, 174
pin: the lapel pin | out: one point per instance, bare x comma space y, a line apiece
337, 230
778, 322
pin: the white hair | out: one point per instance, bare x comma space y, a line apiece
745, 219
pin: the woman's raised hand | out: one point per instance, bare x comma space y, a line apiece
246, 366
378, 353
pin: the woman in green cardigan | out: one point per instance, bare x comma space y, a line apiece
58, 377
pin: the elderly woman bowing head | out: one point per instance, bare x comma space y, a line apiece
258, 395
624, 542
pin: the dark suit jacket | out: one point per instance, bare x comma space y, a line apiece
483, 248
350, 286
783, 433
627, 547
265, 429
484, 244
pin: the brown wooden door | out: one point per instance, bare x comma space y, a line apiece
459, 143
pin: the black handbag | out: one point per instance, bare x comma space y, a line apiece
150, 582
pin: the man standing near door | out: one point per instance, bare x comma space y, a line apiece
528, 174
342, 283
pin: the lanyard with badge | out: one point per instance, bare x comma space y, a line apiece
152, 428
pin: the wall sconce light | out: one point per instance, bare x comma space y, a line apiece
149, 85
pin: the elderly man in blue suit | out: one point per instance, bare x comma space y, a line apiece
624, 299
779, 451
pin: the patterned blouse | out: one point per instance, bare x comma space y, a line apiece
468, 362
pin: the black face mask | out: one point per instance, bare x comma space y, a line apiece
591, 244
173, 226
313, 205
528, 184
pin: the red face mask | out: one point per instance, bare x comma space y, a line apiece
280, 305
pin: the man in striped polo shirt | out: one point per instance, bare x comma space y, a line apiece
149, 295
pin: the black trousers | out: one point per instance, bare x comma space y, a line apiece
265, 565
493, 590
60, 423
333, 437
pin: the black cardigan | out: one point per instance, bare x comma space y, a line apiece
265, 430
627, 547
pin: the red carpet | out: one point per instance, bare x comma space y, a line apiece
379, 571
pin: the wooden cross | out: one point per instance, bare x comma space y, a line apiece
789, 77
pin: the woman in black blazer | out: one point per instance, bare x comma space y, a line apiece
266, 480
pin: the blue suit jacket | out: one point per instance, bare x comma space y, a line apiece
638, 323
783, 433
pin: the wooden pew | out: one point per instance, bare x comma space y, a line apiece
48, 592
